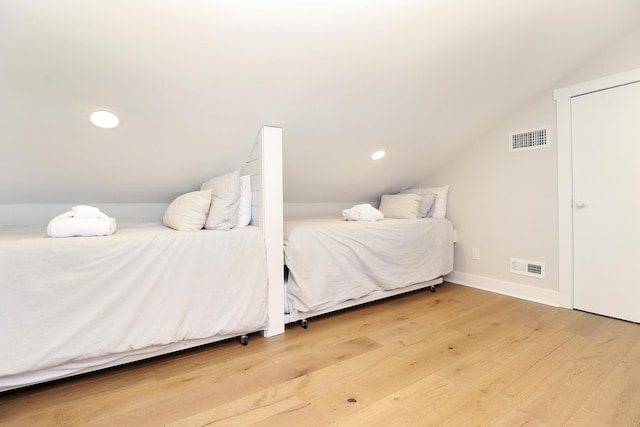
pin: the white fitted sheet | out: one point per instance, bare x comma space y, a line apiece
72, 299
331, 261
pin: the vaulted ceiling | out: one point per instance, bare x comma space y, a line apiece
194, 80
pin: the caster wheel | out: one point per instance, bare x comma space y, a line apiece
304, 323
244, 340
433, 288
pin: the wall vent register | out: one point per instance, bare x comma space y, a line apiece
527, 268
529, 139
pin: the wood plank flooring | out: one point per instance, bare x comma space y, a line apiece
457, 357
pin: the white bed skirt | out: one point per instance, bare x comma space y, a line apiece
332, 261
68, 305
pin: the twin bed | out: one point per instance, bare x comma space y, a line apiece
334, 264
78, 304
75, 305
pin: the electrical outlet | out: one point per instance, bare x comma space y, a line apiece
475, 253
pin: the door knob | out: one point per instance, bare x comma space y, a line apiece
579, 204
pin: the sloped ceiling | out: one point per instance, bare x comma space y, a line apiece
194, 80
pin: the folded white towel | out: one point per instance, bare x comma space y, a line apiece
66, 225
82, 211
364, 212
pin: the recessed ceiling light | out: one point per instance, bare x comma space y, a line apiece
378, 155
104, 119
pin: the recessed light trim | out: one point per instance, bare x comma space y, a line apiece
104, 119
378, 155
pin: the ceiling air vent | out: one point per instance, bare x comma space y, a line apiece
527, 268
529, 139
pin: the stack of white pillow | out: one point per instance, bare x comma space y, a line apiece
416, 203
222, 203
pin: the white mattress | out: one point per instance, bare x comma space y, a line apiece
72, 299
331, 261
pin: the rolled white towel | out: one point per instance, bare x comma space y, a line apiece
82, 211
364, 212
66, 225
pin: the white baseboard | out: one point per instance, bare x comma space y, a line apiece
517, 290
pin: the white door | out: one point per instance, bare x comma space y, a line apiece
606, 201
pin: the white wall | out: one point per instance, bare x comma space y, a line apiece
39, 215
505, 203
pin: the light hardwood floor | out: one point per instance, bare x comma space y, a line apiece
459, 357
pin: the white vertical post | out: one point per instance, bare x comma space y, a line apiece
565, 203
271, 223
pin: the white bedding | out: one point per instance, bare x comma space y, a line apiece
331, 261
66, 300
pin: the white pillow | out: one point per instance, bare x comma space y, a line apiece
188, 212
225, 196
244, 208
400, 205
425, 205
439, 209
